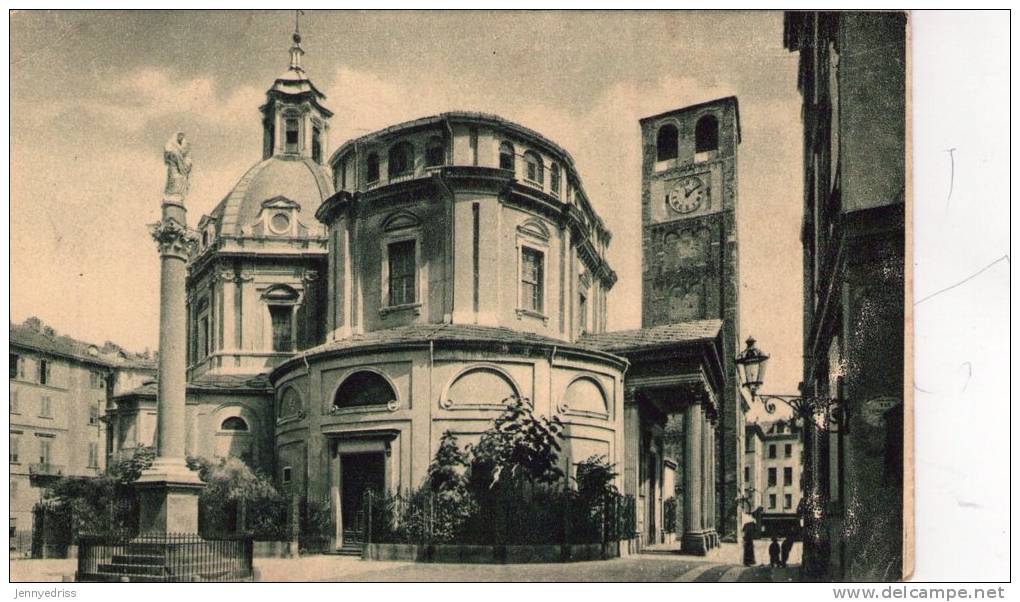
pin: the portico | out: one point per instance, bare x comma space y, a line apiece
674, 370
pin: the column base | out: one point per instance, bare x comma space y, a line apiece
168, 498
699, 543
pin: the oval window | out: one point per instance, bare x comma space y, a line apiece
280, 223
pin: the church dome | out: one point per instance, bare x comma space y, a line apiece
281, 180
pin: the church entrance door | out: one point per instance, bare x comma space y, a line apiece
360, 473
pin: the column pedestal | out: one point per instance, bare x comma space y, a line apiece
168, 498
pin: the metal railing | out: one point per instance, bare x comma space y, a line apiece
172, 557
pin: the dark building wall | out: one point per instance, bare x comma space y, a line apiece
853, 81
689, 258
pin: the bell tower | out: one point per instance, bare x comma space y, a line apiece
689, 251
294, 121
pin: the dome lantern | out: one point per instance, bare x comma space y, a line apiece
294, 121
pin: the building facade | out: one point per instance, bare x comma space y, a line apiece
345, 310
60, 389
772, 468
853, 81
689, 255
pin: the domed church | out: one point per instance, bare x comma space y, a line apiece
345, 310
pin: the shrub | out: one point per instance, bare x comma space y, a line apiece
520, 446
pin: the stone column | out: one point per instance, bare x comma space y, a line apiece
168, 491
693, 539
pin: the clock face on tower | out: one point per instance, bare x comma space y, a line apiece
687, 195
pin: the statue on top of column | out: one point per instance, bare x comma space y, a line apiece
177, 156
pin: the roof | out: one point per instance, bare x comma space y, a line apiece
653, 337
297, 179
423, 334
36, 336
475, 116
210, 383
418, 333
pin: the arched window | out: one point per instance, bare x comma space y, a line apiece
364, 388
373, 168
585, 395
706, 134
666, 143
234, 423
554, 179
435, 152
506, 156
480, 386
401, 160
535, 170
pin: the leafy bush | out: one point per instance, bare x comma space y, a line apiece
519, 446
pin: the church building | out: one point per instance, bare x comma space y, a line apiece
346, 309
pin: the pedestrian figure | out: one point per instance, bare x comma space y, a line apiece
749, 533
786, 549
774, 552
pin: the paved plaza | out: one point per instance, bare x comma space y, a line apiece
656, 565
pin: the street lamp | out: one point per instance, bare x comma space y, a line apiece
751, 364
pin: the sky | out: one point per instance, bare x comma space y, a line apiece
95, 95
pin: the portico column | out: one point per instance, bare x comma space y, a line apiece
693, 539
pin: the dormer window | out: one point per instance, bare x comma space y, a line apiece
279, 223
279, 217
291, 128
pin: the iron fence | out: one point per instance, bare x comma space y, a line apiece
498, 518
172, 557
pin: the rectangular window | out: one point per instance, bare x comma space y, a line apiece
787, 476
14, 447
94, 414
203, 337
45, 407
286, 474
554, 179
316, 145
15, 409
282, 318
45, 447
44, 372
787, 501
747, 474
772, 501
772, 477
96, 379
14, 365
532, 279
292, 135
772, 451
401, 262
93, 455
788, 450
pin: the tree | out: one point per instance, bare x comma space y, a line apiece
127, 471
520, 445
446, 471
